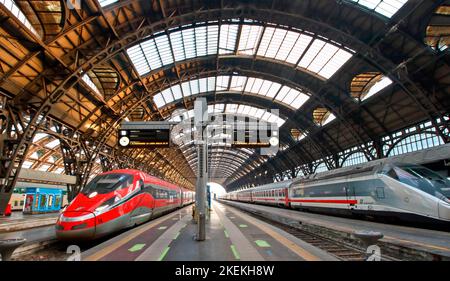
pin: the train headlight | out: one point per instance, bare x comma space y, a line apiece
101, 208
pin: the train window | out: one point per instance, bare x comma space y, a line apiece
392, 174
380, 192
50, 200
43, 201
16, 203
57, 201
21, 202
107, 183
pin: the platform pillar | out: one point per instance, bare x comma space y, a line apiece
201, 119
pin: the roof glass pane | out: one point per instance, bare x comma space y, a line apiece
249, 38
330, 118
324, 58
237, 83
167, 95
89, 82
386, 8
104, 3
377, 87
165, 53
52, 144
159, 101
186, 89
14, 9
228, 37
222, 83
319, 56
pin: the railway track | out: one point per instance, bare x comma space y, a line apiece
340, 249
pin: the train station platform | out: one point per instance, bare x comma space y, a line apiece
18, 221
231, 236
401, 242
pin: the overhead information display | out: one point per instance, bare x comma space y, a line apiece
254, 135
144, 134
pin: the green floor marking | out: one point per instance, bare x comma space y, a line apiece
163, 254
262, 243
226, 233
235, 252
136, 247
176, 236
242, 225
162, 227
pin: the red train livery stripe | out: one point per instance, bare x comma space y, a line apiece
332, 201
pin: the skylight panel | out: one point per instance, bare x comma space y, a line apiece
104, 3
27, 164
253, 85
167, 95
231, 108
299, 100
194, 87
228, 37
287, 44
377, 87
89, 82
176, 39
151, 54
200, 40
312, 52
165, 53
237, 83
282, 93
159, 100
324, 58
330, 118
338, 60
176, 91
213, 39
386, 8
39, 136
44, 168
185, 86
189, 43
52, 144
14, 9
138, 59
249, 38
222, 83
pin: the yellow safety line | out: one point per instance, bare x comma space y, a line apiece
283, 240
417, 243
107, 250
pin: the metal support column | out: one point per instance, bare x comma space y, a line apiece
201, 119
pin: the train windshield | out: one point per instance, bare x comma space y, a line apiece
423, 179
108, 183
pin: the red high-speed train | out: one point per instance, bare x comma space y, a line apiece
116, 200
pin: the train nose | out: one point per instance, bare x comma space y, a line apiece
444, 210
76, 225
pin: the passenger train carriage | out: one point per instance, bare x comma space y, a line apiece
406, 192
116, 200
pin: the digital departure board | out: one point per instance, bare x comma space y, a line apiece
144, 134
245, 136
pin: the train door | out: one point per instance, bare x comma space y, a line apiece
351, 196
286, 197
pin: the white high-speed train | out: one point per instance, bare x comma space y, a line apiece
399, 191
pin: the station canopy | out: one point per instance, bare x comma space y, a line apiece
338, 77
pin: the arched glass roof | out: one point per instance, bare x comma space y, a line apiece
12, 7
104, 3
385, 7
300, 48
231, 108
246, 85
